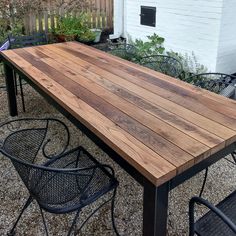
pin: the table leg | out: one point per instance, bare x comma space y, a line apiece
9, 77
155, 209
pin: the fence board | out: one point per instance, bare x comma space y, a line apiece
100, 16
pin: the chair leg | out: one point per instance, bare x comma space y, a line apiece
204, 182
103, 204
28, 202
15, 81
44, 221
73, 223
112, 213
233, 154
22, 94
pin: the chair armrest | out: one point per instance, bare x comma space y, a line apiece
213, 208
48, 141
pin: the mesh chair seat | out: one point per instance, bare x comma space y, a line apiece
75, 189
211, 225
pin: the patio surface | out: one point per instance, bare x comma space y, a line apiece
128, 206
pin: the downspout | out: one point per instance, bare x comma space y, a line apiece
118, 19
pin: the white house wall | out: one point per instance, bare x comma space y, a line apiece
186, 25
226, 59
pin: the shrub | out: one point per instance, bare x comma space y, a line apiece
75, 27
153, 46
190, 65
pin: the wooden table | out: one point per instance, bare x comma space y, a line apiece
162, 131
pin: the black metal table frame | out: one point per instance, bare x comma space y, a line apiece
155, 199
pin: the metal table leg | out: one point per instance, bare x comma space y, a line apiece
10, 90
155, 209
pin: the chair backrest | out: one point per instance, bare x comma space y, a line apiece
214, 82
123, 50
23, 138
164, 64
27, 40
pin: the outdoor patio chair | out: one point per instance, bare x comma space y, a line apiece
27, 40
123, 50
217, 83
21, 42
164, 64
214, 82
219, 221
64, 183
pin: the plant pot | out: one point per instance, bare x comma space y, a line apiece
64, 38
98, 33
85, 42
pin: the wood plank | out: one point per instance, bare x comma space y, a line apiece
164, 89
154, 167
229, 102
166, 149
163, 81
197, 119
186, 127
168, 132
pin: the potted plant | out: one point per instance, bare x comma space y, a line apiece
69, 28
86, 36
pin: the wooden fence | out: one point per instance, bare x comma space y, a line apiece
100, 15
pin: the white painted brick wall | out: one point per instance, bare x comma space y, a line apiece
187, 25
226, 57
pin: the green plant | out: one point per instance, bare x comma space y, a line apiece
75, 28
70, 25
190, 64
86, 36
5, 30
153, 46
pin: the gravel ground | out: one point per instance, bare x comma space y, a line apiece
128, 206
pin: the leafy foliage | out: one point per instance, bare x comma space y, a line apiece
12, 12
75, 26
190, 65
153, 46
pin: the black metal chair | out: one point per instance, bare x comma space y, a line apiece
214, 82
66, 182
27, 40
164, 64
123, 50
219, 221
21, 42
217, 83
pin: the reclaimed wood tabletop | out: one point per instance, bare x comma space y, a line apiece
158, 124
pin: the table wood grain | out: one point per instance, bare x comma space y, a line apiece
160, 125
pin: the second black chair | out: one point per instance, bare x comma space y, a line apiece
219, 221
21, 42
214, 82
217, 83
164, 64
